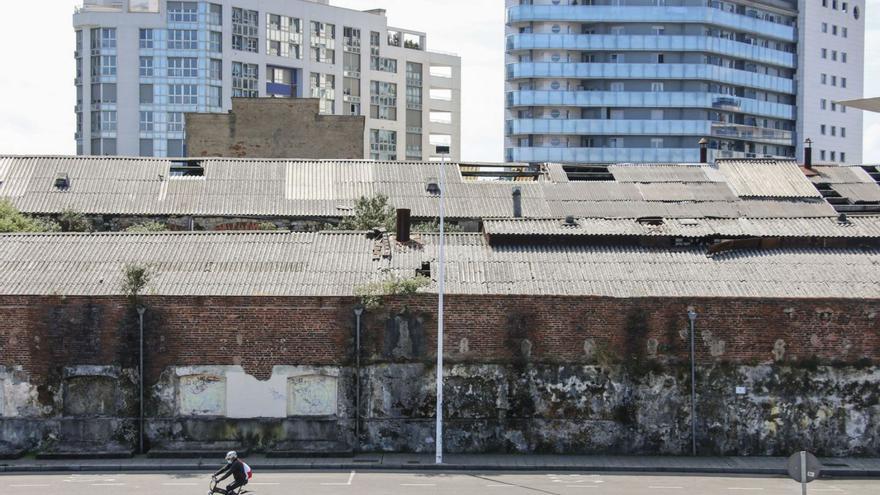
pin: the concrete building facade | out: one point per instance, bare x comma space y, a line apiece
143, 64
275, 128
598, 81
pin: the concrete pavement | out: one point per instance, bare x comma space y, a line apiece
834, 468
433, 483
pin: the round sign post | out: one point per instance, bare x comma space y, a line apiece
803, 467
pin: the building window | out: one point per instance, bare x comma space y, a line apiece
352, 39
323, 86
834, 130
833, 156
822, 129
383, 64
146, 67
245, 30
824, 78
146, 122
383, 100
842, 82
845, 31
842, 157
833, 106
834, 29
215, 69
824, 27
183, 67
146, 38
822, 155
215, 14
656, 87
618, 86
175, 122
843, 57
215, 96
183, 12
656, 143
843, 132
215, 42
183, 94
146, 147
323, 42
106, 120
104, 65
383, 144
283, 36
146, 93
834, 80
824, 53
244, 80
183, 39
176, 148
108, 38
822, 103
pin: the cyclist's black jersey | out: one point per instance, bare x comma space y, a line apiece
235, 469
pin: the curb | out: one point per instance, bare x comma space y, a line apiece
36, 468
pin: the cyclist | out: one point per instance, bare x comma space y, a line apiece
236, 468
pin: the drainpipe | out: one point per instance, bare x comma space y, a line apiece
692, 316
141, 310
358, 311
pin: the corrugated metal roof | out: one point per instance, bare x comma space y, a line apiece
866, 193
658, 173
766, 179
310, 188
323, 264
855, 227
838, 174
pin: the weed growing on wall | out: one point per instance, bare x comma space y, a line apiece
134, 280
147, 227
12, 220
373, 294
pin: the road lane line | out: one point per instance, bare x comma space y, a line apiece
418, 484
350, 479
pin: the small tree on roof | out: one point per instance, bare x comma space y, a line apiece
370, 213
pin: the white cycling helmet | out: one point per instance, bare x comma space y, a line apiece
231, 456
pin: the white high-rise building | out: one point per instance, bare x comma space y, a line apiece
143, 64
598, 81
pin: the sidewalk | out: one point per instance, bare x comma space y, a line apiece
834, 468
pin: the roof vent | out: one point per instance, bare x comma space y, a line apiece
62, 180
433, 187
653, 221
569, 221
843, 219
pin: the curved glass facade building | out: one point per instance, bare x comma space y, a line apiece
593, 81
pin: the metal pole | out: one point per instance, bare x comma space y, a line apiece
692, 316
803, 472
141, 311
357, 401
441, 281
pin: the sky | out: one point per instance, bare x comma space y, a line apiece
36, 104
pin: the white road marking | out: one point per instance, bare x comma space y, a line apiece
350, 479
417, 484
107, 484
179, 484
666, 487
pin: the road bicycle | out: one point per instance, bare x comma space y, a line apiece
212, 486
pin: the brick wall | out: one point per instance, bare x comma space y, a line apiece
275, 128
43, 334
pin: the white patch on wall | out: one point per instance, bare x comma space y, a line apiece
202, 395
312, 395
2, 398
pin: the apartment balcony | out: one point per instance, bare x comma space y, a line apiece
413, 130
623, 14
752, 133
599, 127
604, 155
639, 99
652, 43
623, 71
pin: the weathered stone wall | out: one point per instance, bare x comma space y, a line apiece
548, 374
275, 128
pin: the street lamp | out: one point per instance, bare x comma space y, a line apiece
443, 151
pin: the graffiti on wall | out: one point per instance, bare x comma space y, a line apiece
312, 395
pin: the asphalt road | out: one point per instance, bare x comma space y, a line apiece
458, 483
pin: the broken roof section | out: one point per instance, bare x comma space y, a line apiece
309, 188
336, 263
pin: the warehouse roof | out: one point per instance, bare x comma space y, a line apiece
309, 188
336, 263
866, 227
